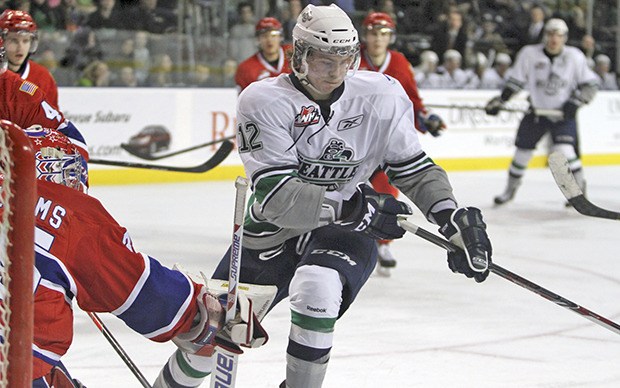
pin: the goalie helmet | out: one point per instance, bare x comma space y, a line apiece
327, 29
56, 158
20, 22
382, 22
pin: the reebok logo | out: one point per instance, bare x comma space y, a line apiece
350, 123
316, 309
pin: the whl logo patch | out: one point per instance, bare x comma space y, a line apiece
309, 115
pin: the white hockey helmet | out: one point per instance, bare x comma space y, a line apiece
429, 56
556, 25
327, 29
503, 59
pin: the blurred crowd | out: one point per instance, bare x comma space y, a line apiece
199, 43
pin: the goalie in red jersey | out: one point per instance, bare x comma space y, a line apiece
19, 32
271, 59
82, 254
378, 32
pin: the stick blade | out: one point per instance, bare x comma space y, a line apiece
563, 176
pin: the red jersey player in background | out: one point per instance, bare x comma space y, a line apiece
25, 104
83, 254
271, 59
378, 32
19, 32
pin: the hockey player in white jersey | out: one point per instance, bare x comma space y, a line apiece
557, 77
309, 141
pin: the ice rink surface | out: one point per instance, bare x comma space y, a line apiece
423, 326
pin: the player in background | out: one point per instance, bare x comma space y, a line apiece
19, 32
557, 76
83, 254
24, 103
378, 32
271, 59
313, 222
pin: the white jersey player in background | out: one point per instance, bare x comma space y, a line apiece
312, 222
557, 77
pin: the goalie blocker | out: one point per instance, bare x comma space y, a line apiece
191, 363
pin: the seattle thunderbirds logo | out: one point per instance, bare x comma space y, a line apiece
333, 167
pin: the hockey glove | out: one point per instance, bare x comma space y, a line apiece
467, 230
494, 106
431, 123
373, 214
199, 339
245, 329
570, 110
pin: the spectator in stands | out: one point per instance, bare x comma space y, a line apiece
141, 56
147, 16
533, 31
46, 17
84, 49
289, 18
426, 73
588, 47
486, 37
95, 73
496, 77
242, 42
107, 15
226, 74
161, 72
126, 78
73, 14
450, 73
475, 74
451, 35
201, 77
602, 65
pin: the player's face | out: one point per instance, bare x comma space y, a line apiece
269, 43
554, 42
326, 72
17, 46
377, 41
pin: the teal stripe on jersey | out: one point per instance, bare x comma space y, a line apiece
267, 184
321, 325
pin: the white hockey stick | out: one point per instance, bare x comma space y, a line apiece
570, 188
225, 368
538, 112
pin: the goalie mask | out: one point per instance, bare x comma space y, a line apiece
19, 22
57, 159
326, 29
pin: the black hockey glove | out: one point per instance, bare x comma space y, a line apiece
373, 214
494, 106
467, 230
570, 110
431, 123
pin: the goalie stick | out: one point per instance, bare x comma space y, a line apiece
217, 158
570, 188
516, 279
174, 153
225, 372
119, 349
539, 112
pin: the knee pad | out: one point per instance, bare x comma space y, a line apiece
315, 297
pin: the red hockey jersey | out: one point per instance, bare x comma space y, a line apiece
23, 103
40, 76
397, 66
256, 68
83, 254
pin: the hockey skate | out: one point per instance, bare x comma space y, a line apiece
386, 260
509, 193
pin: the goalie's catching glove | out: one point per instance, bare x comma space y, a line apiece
244, 329
466, 229
373, 214
431, 123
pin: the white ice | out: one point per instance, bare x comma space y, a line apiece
424, 326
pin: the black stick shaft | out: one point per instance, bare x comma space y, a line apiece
518, 280
119, 349
174, 153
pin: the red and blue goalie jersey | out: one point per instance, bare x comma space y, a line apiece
83, 254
